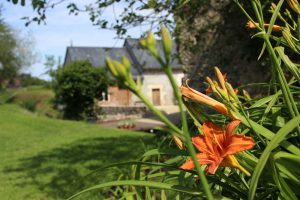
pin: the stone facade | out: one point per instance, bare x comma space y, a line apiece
157, 83
112, 113
120, 103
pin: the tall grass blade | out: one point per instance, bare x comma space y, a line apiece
276, 140
150, 184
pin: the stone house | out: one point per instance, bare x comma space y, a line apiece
154, 82
120, 103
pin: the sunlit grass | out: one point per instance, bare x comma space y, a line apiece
44, 158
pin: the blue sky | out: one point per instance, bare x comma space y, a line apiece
62, 29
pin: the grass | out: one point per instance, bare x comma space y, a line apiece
43, 158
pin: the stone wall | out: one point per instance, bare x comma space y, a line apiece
112, 113
159, 80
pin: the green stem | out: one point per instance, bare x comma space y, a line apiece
177, 94
288, 97
202, 176
158, 113
298, 27
258, 15
190, 146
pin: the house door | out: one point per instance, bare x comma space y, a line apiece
156, 96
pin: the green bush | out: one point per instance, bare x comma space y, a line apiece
77, 85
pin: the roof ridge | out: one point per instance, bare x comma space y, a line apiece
95, 47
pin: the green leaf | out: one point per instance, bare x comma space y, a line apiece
259, 129
280, 121
274, 17
150, 184
288, 63
276, 140
176, 152
271, 104
263, 101
289, 165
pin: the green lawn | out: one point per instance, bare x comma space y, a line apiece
42, 158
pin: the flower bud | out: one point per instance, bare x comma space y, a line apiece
247, 95
211, 88
166, 41
125, 63
120, 69
288, 38
178, 142
220, 77
151, 42
153, 52
294, 5
151, 45
111, 67
232, 92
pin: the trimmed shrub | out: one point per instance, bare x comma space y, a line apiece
77, 85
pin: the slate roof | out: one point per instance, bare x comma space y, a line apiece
140, 59
145, 60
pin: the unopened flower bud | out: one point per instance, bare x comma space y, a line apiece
232, 92
151, 42
120, 69
288, 38
166, 41
251, 25
211, 88
111, 67
220, 77
273, 6
178, 142
247, 95
294, 5
125, 63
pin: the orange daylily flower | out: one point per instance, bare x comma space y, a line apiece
251, 25
199, 97
217, 147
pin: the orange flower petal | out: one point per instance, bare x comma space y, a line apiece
199, 97
231, 126
202, 159
214, 135
239, 142
188, 165
208, 90
212, 168
200, 143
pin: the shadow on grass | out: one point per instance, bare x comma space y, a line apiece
60, 172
